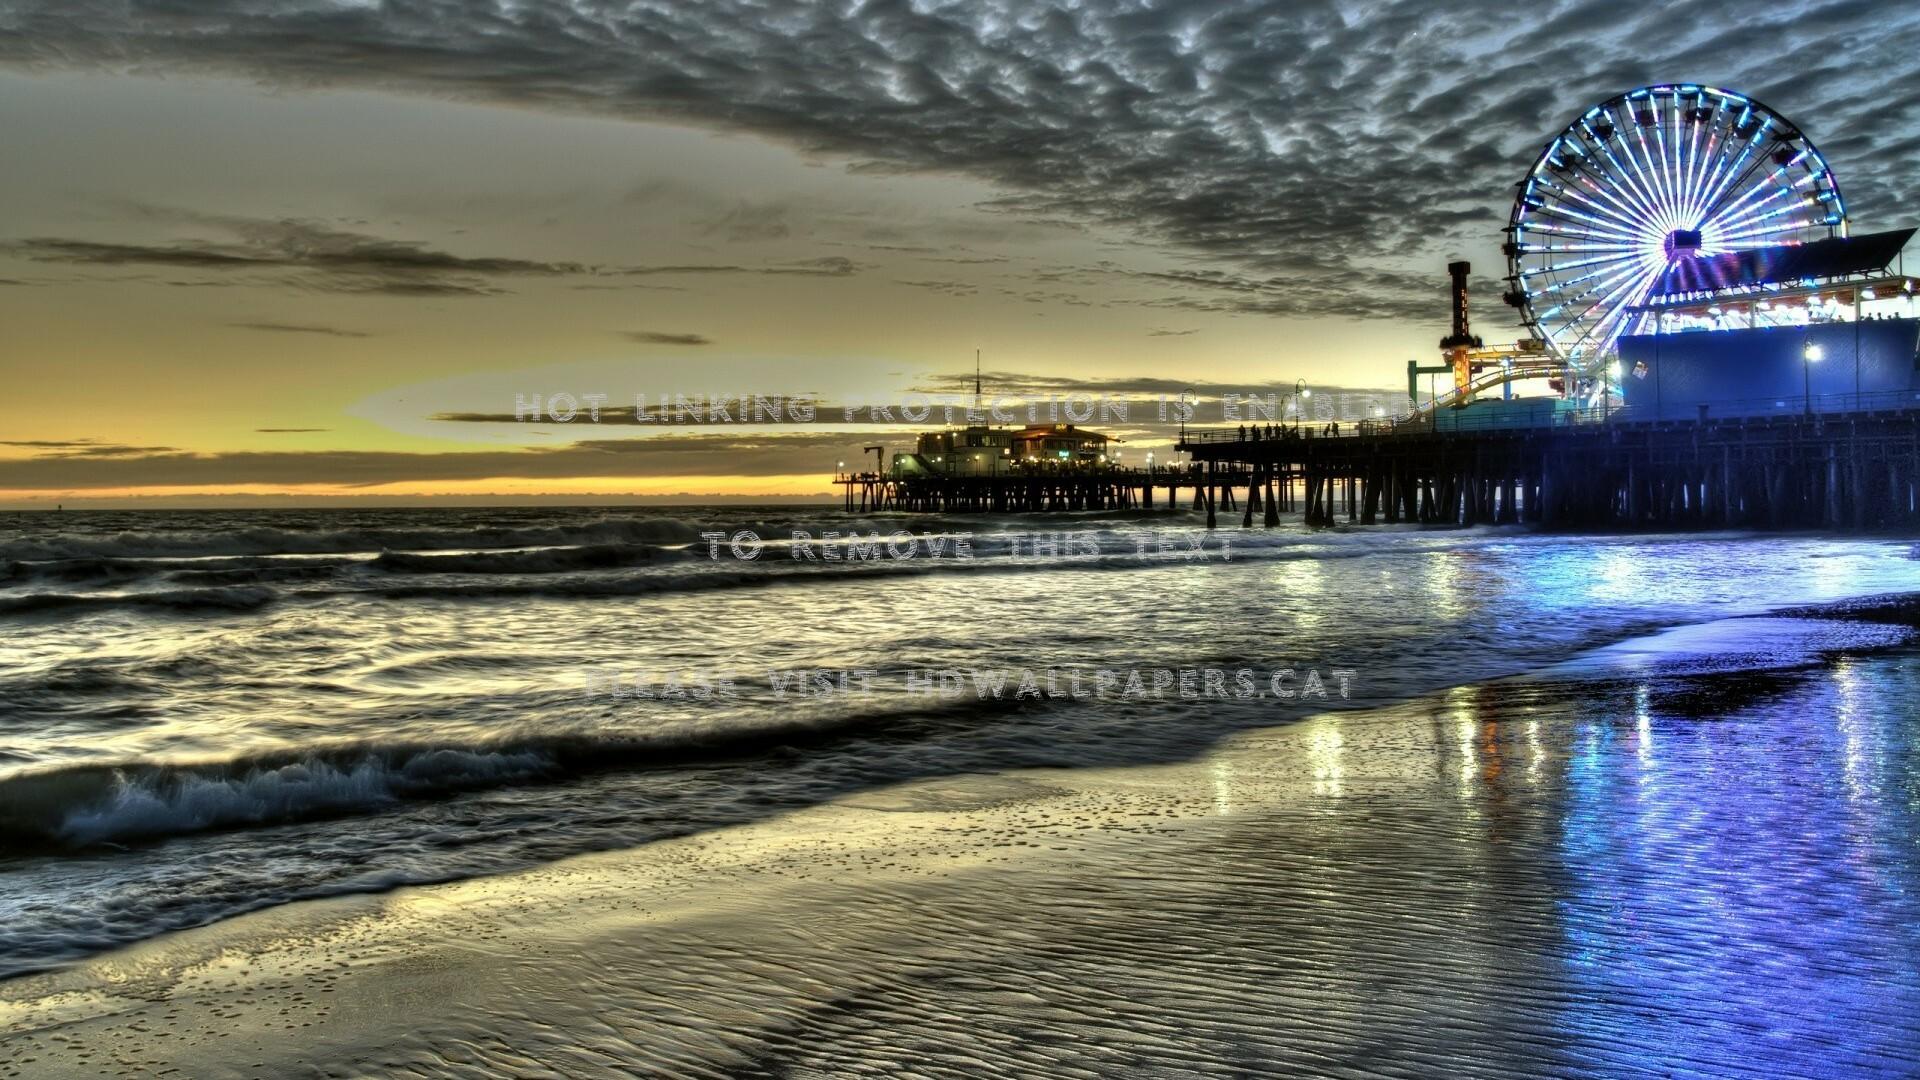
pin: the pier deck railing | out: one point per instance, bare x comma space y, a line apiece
1547, 416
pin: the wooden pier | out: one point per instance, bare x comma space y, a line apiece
1839, 470
1836, 470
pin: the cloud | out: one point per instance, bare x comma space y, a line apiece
1019, 386
62, 449
296, 328
1332, 155
655, 337
951, 288
746, 221
696, 454
826, 266
1161, 331
317, 256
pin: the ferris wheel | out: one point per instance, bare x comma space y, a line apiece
1642, 181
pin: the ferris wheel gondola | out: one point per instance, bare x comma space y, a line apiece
1641, 181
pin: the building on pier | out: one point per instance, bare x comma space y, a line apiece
980, 450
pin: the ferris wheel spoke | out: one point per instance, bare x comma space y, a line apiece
1606, 286
1666, 168
1738, 175
1773, 230
1726, 167
1559, 197
1632, 180
1605, 266
1626, 296
1684, 131
1764, 186
1563, 285
1608, 227
1758, 214
1622, 181
1698, 158
1557, 269
1621, 215
1758, 210
1656, 170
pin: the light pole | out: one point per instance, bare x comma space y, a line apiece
1300, 395
1810, 355
1183, 413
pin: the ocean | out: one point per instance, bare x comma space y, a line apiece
204, 713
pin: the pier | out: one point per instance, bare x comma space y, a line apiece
1824, 465
1040, 491
1852, 469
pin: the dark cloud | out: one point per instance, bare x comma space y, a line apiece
1019, 386
1161, 331
827, 266
1327, 155
316, 256
63, 449
322, 258
297, 328
655, 337
695, 454
951, 288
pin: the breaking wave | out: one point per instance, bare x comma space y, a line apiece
84, 805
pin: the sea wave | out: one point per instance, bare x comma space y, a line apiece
550, 560
271, 541
85, 805
222, 598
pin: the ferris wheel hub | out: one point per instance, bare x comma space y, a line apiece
1681, 244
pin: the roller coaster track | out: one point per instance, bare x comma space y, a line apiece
1495, 374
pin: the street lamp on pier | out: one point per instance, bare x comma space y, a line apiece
1810, 355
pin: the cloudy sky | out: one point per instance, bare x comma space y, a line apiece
271, 248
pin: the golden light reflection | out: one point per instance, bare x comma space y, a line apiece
1324, 747
1466, 725
1221, 773
1310, 602
1448, 583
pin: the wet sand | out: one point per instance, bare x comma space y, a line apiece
1708, 874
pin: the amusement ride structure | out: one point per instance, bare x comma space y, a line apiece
1656, 212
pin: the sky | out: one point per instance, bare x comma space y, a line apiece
271, 251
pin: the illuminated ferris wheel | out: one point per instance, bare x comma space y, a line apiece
1641, 182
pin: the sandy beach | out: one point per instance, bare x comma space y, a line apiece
1711, 871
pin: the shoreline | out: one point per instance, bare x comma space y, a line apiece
1301, 892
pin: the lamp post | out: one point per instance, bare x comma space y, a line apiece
1810, 355
1183, 413
1300, 394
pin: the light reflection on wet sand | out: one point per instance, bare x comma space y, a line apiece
1707, 875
